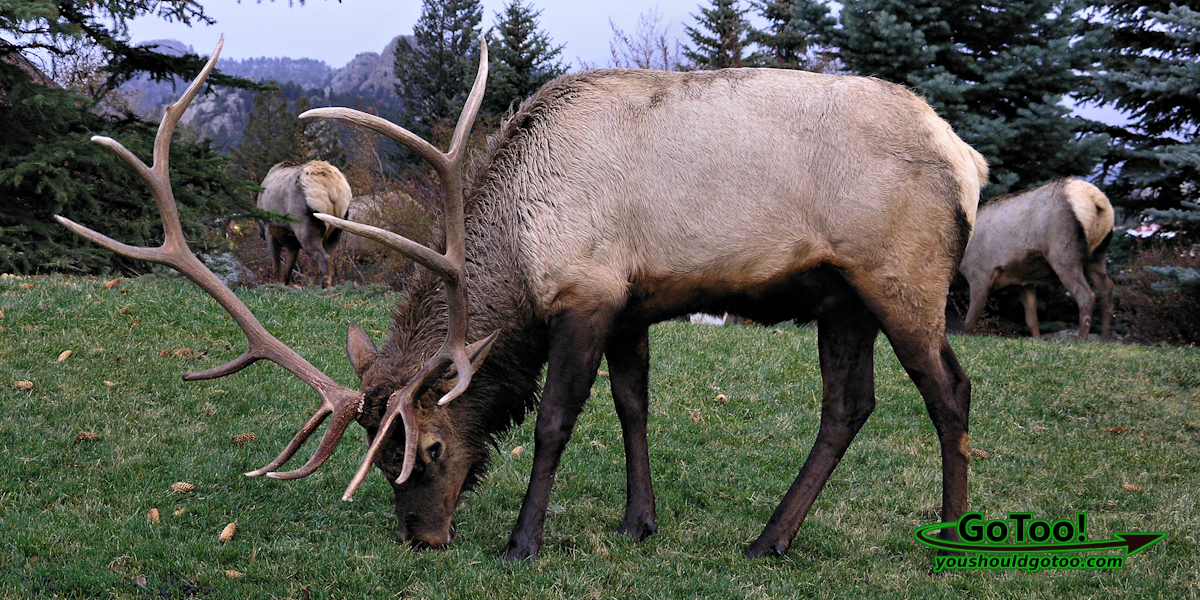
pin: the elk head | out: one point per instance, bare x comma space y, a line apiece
412, 402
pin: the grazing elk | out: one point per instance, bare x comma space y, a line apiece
1059, 229
302, 190
590, 216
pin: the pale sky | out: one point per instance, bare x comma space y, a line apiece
335, 33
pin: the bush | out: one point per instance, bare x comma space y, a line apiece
1151, 312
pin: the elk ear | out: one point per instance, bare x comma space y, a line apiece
361, 349
477, 351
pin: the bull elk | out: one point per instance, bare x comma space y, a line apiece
302, 190
1060, 229
615, 199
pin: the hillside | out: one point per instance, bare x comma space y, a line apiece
366, 81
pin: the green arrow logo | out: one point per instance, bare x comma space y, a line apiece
1132, 542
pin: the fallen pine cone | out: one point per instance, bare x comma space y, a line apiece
182, 487
109, 383
86, 436
722, 398
113, 283
23, 385
152, 516
1131, 487
1115, 430
244, 438
518, 450
227, 533
977, 453
65, 355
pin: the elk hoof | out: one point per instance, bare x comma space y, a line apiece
637, 529
761, 549
516, 550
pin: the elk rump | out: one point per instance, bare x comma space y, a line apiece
300, 190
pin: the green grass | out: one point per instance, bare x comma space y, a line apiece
73, 515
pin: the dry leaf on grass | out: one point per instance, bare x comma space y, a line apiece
518, 450
180, 511
1116, 430
23, 385
244, 438
86, 436
182, 487
27, 286
1131, 487
109, 383
153, 516
183, 352
113, 283
65, 355
697, 417
227, 533
234, 574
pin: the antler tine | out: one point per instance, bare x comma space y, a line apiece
466, 120
344, 403
428, 258
385, 128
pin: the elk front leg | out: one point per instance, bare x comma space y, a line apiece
576, 343
629, 370
846, 343
979, 294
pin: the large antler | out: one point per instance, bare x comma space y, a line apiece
343, 403
451, 267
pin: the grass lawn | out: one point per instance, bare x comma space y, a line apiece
1112, 430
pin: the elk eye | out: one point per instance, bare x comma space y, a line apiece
435, 450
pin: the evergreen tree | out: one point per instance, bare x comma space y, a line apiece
794, 28
1147, 65
48, 163
720, 37
996, 72
273, 135
436, 69
523, 58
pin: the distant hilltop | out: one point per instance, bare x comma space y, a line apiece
368, 80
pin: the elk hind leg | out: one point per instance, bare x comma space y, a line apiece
316, 250
1098, 276
846, 344
577, 340
629, 369
1029, 300
933, 367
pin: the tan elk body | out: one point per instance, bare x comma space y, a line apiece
615, 199
1061, 229
301, 190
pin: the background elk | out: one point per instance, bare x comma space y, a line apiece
589, 217
301, 190
1062, 228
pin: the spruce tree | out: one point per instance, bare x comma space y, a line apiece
49, 165
523, 58
720, 37
995, 71
794, 29
435, 70
272, 135
1147, 64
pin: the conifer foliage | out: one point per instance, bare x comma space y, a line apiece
523, 58
996, 71
435, 70
720, 38
795, 30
